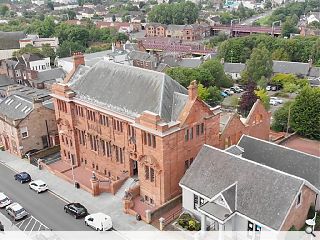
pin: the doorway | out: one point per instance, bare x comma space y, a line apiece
134, 168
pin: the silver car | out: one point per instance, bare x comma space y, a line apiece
16, 211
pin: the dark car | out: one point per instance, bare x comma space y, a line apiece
22, 177
76, 209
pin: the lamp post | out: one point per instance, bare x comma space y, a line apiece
311, 223
62, 132
272, 30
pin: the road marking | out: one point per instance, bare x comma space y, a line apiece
58, 196
33, 225
29, 221
27, 225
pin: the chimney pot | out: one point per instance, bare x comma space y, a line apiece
78, 59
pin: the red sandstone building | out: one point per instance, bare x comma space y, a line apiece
127, 122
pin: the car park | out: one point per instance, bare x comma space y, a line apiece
16, 211
22, 177
236, 89
4, 200
38, 186
223, 94
76, 209
273, 102
278, 100
99, 221
228, 92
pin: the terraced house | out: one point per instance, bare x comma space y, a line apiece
130, 123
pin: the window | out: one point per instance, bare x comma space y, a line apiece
186, 135
250, 226
103, 120
186, 165
62, 106
103, 147
202, 128
146, 171
191, 133
24, 132
79, 111
108, 148
132, 132
117, 125
149, 139
91, 115
195, 201
299, 199
198, 130
93, 142
151, 175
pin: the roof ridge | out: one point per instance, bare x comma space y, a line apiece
281, 146
258, 164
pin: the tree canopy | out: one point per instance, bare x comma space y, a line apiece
174, 13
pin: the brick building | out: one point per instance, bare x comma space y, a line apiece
190, 32
126, 122
27, 122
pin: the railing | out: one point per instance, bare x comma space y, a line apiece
172, 217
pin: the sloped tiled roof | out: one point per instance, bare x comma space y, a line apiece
10, 40
15, 107
126, 89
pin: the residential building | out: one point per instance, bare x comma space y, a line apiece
234, 69
9, 43
27, 121
37, 42
24, 68
226, 191
182, 32
124, 122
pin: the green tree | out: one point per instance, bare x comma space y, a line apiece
216, 70
215, 97
259, 65
268, 4
305, 113
262, 94
289, 26
281, 55
175, 13
48, 51
67, 48
262, 83
50, 5
27, 49
3, 10
203, 92
280, 118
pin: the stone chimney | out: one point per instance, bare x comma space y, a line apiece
78, 59
193, 90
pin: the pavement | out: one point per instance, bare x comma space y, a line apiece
106, 202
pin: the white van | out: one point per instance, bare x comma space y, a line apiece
98, 221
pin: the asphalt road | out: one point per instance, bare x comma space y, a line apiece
45, 209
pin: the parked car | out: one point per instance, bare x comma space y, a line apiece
22, 177
28, 153
268, 88
76, 209
98, 221
274, 88
38, 186
228, 91
236, 89
4, 200
280, 101
273, 102
16, 211
223, 94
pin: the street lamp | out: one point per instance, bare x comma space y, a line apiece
62, 132
311, 223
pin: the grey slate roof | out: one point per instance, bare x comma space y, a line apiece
284, 159
5, 81
314, 72
179, 101
263, 194
10, 40
224, 120
234, 67
230, 197
216, 210
126, 89
15, 107
142, 56
234, 149
51, 74
297, 68
28, 92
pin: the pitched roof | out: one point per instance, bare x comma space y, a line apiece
142, 56
126, 89
51, 74
5, 81
30, 57
263, 194
10, 40
15, 107
282, 158
234, 67
297, 68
